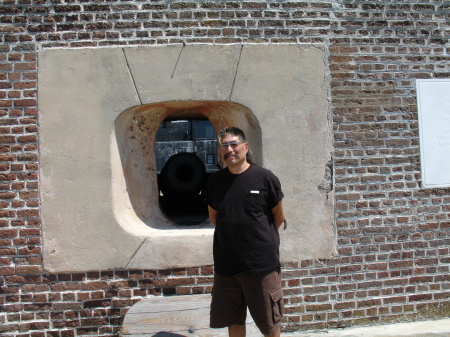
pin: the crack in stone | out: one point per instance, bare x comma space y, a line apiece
178, 59
135, 253
235, 74
132, 77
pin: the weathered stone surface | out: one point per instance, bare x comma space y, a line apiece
81, 92
184, 73
98, 192
286, 87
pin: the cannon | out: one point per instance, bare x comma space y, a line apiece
183, 176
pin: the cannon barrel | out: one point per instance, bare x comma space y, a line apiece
183, 175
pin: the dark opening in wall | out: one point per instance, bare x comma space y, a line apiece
186, 155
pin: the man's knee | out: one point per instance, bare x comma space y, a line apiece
236, 331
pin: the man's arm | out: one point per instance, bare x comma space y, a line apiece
278, 215
212, 215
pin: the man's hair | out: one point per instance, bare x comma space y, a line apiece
231, 130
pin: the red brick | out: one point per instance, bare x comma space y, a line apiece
152, 282
7, 177
15, 279
26, 232
28, 270
5, 261
7, 139
17, 203
421, 279
122, 284
123, 303
16, 167
27, 176
28, 194
180, 282
398, 299
28, 213
209, 270
32, 288
24, 85
67, 306
27, 139
39, 325
33, 250
18, 185
350, 269
94, 285
7, 271
8, 232
32, 166
65, 286
24, 102
420, 297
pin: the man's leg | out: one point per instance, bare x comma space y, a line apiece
264, 297
228, 306
276, 334
239, 331
236, 331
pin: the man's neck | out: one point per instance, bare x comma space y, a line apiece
239, 169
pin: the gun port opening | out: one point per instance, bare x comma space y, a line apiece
186, 155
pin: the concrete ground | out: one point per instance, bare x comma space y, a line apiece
436, 328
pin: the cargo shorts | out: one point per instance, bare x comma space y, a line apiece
261, 292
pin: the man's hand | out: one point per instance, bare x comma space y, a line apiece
212, 215
278, 215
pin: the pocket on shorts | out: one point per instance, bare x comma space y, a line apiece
277, 304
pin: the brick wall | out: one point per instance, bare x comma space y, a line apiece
392, 242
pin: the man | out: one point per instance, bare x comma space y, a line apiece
245, 206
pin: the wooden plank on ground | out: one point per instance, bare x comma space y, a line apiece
174, 316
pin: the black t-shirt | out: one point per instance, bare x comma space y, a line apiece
246, 238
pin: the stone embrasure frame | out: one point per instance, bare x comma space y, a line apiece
135, 131
97, 215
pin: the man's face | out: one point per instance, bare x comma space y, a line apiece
235, 153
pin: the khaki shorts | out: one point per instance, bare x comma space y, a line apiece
261, 292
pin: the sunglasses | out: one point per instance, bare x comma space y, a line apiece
233, 145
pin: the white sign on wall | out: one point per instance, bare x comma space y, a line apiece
433, 102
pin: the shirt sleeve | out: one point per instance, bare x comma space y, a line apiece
275, 194
208, 193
